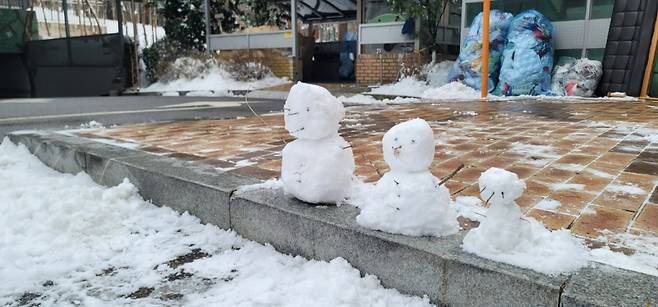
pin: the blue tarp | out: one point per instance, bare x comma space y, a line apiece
467, 67
527, 60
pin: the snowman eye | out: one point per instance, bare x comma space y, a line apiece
308, 109
413, 141
395, 139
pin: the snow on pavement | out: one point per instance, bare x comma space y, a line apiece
67, 241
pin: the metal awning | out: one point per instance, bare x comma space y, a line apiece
324, 10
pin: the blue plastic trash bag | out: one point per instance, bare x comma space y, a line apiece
467, 67
576, 77
527, 60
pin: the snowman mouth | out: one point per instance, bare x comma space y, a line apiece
298, 130
396, 151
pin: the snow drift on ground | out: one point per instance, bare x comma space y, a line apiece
68, 241
216, 81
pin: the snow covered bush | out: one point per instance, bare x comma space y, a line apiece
158, 56
243, 67
188, 67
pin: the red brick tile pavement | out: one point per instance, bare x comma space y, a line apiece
592, 144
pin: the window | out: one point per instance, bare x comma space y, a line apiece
556, 10
561, 55
376, 11
602, 9
595, 54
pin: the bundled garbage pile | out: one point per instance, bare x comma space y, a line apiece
521, 59
468, 66
577, 77
528, 57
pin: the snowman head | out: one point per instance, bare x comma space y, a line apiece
500, 186
409, 146
311, 112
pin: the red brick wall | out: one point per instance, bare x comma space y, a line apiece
278, 60
368, 66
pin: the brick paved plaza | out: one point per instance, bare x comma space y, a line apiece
596, 158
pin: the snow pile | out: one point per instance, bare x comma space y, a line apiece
436, 85
318, 166
213, 77
505, 235
436, 74
452, 90
409, 199
68, 241
359, 99
414, 88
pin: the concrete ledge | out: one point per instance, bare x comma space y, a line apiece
436, 267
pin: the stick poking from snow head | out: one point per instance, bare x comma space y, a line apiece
446, 178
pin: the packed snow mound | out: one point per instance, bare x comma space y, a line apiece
409, 146
414, 88
318, 171
209, 76
436, 74
409, 200
506, 235
318, 166
452, 90
311, 112
542, 250
74, 242
412, 204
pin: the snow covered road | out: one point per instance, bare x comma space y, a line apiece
66, 241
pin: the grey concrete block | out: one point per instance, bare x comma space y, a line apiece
287, 231
436, 267
31, 139
475, 281
58, 154
201, 190
603, 285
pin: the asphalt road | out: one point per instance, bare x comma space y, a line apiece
69, 113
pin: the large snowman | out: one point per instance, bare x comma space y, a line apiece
408, 199
318, 166
503, 229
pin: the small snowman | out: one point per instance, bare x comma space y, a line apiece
408, 199
503, 229
318, 166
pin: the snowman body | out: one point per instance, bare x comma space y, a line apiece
409, 200
318, 166
503, 229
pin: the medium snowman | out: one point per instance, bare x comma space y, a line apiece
318, 166
503, 229
408, 199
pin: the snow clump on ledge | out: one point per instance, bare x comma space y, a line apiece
506, 235
317, 167
409, 200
